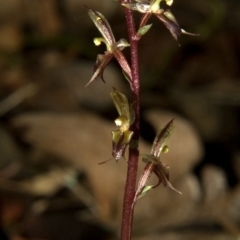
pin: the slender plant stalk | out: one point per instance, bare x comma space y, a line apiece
125, 136
130, 187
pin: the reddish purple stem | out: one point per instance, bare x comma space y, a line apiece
130, 187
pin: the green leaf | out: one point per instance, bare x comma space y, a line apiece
143, 30
145, 190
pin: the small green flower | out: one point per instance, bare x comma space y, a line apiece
114, 49
152, 7
122, 136
154, 165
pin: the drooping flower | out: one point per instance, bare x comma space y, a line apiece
114, 49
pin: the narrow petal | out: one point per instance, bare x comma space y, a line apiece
188, 33
147, 172
162, 173
123, 63
100, 66
145, 19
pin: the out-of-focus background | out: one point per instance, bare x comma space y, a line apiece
54, 132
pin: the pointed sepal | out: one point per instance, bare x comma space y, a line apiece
162, 172
172, 25
100, 65
102, 25
161, 139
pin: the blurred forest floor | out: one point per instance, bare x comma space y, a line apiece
54, 132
